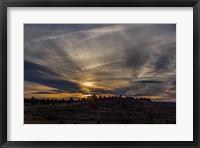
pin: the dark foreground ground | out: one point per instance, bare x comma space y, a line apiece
99, 111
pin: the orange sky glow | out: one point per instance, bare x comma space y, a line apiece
79, 60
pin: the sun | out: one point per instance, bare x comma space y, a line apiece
88, 84
86, 95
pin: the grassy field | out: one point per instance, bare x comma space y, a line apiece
99, 111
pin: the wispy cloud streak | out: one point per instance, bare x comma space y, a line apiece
126, 59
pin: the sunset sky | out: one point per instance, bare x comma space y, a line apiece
77, 60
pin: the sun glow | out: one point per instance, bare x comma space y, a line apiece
88, 84
87, 95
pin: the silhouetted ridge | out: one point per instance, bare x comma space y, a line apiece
34, 100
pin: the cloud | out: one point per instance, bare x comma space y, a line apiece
123, 59
150, 81
35, 69
55, 91
42, 75
101, 91
140, 94
43, 92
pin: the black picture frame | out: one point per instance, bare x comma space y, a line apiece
4, 4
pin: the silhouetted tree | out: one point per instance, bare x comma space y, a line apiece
71, 99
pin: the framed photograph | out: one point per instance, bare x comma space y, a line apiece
99, 73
